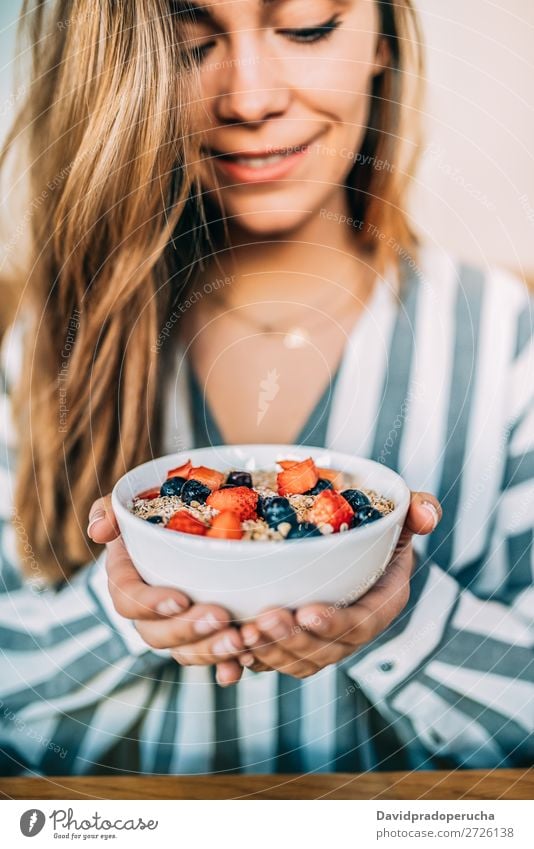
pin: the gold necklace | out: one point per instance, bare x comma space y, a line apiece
293, 337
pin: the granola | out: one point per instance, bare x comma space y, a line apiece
295, 501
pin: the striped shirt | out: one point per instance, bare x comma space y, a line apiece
437, 384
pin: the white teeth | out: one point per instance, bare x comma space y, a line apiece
259, 161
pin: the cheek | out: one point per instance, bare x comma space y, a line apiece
345, 114
338, 92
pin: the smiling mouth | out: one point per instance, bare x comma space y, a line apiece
260, 159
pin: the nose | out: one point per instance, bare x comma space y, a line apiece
250, 85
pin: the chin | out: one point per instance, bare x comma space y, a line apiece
265, 222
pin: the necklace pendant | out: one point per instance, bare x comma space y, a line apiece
296, 337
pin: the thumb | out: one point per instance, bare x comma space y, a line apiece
102, 525
424, 515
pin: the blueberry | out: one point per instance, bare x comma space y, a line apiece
321, 485
364, 515
155, 520
304, 530
172, 486
276, 510
236, 478
194, 491
356, 498
263, 502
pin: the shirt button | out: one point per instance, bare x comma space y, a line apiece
386, 665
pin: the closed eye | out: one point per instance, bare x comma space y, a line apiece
198, 52
302, 35
308, 35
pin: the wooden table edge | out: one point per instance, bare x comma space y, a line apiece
454, 784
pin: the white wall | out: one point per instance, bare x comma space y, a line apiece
9, 10
475, 190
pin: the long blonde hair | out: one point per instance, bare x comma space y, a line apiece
121, 234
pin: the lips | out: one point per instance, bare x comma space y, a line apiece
250, 157
258, 166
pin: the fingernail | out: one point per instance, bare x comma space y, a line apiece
311, 620
220, 681
207, 624
431, 510
276, 627
224, 645
249, 638
95, 517
169, 607
247, 659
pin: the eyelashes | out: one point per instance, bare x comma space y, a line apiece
309, 35
301, 35
199, 51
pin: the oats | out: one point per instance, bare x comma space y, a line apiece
258, 529
284, 528
385, 505
301, 504
264, 482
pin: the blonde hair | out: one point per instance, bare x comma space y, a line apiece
122, 232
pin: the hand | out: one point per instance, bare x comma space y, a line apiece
196, 634
302, 643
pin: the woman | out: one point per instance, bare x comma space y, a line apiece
226, 248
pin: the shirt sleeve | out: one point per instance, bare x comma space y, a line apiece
455, 671
64, 650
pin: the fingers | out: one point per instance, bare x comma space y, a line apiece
197, 624
228, 672
352, 625
102, 525
424, 513
279, 626
248, 660
423, 516
273, 657
225, 645
131, 597
277, 642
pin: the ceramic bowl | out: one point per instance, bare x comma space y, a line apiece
247, 576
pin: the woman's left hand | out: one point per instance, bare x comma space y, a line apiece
302, 643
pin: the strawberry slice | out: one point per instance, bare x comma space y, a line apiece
330, 508
183, 521
286, 464
297, 478
180, 471
238, 499
225, 525
334, 476
209, 477
149, 494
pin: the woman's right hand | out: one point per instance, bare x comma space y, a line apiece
196, 634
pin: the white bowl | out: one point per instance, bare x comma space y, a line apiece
246, 576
